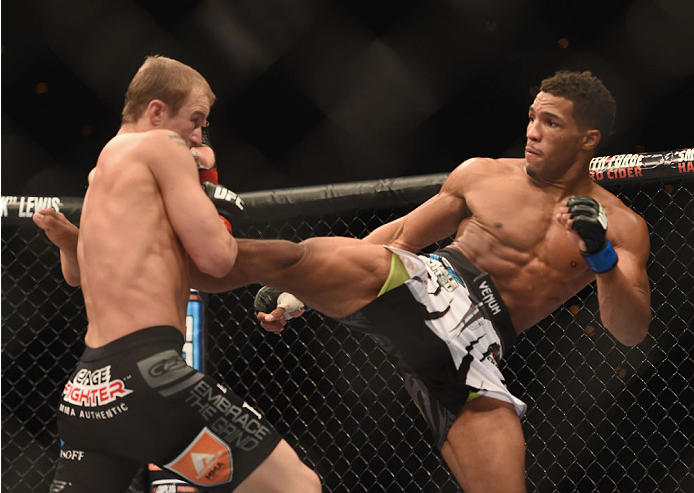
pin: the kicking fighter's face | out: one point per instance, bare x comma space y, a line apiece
190, 119
553, 136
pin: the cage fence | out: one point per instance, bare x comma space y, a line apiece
602, 416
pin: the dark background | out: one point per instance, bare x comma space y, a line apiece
317, 91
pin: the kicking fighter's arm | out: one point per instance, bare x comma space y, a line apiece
436, 219
191, 213
624, 293
619, 262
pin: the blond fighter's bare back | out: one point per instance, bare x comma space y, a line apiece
512, 233
132, 264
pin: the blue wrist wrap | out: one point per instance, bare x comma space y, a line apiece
602, 261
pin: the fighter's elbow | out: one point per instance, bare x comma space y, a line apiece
72, 280
219, 263
632, 334
215, 268
71, 274
633, 338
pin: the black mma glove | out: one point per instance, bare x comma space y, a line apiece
229, 205
590, 222
267, 299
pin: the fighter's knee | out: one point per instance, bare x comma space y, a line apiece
303, 480
294, 253
312, 482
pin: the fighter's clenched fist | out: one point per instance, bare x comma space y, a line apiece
587, 218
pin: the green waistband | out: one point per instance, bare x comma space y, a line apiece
396, 277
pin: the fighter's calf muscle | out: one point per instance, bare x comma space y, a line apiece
266, 260
334, 275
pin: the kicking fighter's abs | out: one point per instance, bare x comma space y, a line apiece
531, 286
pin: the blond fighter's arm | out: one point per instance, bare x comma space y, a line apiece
64, 235
189, 210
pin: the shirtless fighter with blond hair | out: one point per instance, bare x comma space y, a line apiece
146, 223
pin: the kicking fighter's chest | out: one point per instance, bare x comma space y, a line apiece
526, 225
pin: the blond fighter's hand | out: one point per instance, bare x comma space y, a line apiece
58, 228
64, 235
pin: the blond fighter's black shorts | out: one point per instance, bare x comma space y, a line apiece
136, 401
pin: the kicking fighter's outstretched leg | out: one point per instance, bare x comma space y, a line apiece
334, 275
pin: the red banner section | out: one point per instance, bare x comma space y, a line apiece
647, 166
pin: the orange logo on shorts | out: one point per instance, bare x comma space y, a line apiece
207, 461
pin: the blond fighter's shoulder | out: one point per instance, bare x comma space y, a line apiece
150, 146
145, 140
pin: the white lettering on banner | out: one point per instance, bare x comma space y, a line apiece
29, 205
92, 388
6, 200
26, 206
617, 161
686, 154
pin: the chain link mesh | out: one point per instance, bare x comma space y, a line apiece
602, 417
